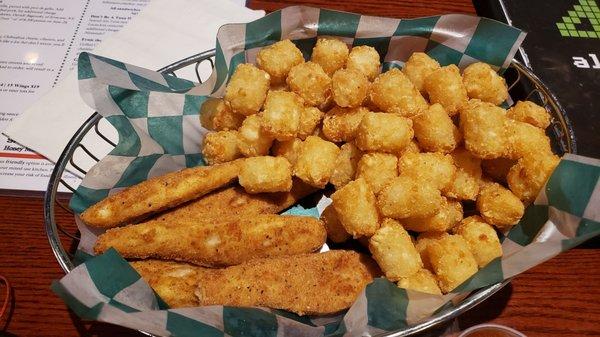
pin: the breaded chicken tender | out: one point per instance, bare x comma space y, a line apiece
384, 132
159, 193
483, 128
406, 196
466, 181
497, 168
341, 124
281, 115
483, 83
252, 139
499, 206
278, 58
310, 284
394, 251
423, 241
330, 53
217, 242
174, 282
529, 112
311, 82
482, 239
289, 149
364, 59
435, 130
527, 177
436, 168
220, 147
393, 92
452, 261
316, 161
266, 174
335, 230
356, 208
450, 214
524, 139
349, 88
423, 281
216, 115
247, 89
445, 86
345, 165
377, 169
235, 202
418, 67
310, 118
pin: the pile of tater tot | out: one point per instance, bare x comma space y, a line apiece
405, 150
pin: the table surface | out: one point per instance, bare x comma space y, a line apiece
558, 297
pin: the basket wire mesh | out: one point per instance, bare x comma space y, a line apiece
523, 85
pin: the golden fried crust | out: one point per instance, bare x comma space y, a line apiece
174, 282
307, 284
235, 201
159, 193
217, 242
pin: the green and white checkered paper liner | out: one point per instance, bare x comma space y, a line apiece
156, 117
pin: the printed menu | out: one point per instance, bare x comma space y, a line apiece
39, 44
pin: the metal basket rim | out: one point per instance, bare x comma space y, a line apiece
475, 298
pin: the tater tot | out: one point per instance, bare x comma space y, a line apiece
345, 165
529, 112
483, 128
406, 196
281, 116
482, 239
423, 281
289, 149
266, 174
278, 58
435, 130
523, 139
412, 147
310, 118
499, 206
393, 92
418, 67
394, 251
220, 147
247, 89
465, 185
356, 208
383, 132
335, 230
483, 83
311, 82
497, 168
216, 115
349, 88
452, 261
341, 124
377, 169
445, 86
364, 59
436, 168
450, 213
252, 140
423, 241
527, 177
331, 54
316, 161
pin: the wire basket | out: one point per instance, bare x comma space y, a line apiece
524, 84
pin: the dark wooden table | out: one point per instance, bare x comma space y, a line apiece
559, 297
